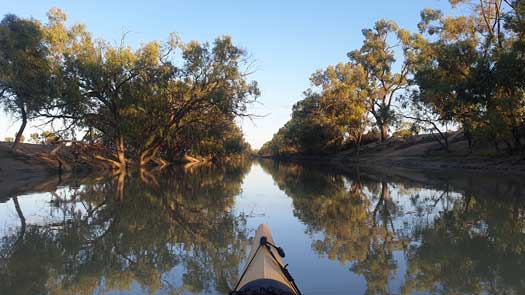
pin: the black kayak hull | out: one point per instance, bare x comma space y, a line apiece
265, 287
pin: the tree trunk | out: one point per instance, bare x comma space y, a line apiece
148, 155
385, 195
21, 130
121, 180
510, 150
496, 146
468, 136
121, 152
446, 142
358, 145
22, 220
385, 192
517, 138
384, 131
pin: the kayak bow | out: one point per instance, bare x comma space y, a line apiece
265, 272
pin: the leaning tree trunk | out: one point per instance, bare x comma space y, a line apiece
148, 155
21, 130
22, 220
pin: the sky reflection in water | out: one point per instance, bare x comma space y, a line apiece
186, 231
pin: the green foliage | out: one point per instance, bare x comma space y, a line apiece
48, 137
349, 92
218, 139
325, 122
25, 75
309, 131
380, 83
344, 99
402, 133
143, 104
34, 137
470, 72
464, 70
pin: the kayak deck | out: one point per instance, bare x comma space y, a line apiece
263, 273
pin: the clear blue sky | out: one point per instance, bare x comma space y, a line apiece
288, 40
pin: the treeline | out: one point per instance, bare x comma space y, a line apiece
465, 72
148, 105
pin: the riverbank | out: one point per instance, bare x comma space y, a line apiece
34, 165
423, 152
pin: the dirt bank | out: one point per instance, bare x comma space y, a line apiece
423, 152
470, 163
36, 164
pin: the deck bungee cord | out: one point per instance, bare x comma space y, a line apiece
265, 273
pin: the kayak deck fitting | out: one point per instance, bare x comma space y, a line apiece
265, 273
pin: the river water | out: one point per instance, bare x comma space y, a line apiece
187, 231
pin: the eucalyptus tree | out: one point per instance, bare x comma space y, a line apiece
212, 85
310, 129
140, 100
510, 67
377, 57
344, 95
107, 76
467, 70
25, 74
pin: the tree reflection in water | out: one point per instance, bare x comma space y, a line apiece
120, 232
176, 231
457, 235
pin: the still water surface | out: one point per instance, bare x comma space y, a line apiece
187, 231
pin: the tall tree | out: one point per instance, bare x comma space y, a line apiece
377, 56
140, 101
211, 84
25, 76
443, 73
344, 94
466, 71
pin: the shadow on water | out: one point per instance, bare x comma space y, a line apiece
177, 231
